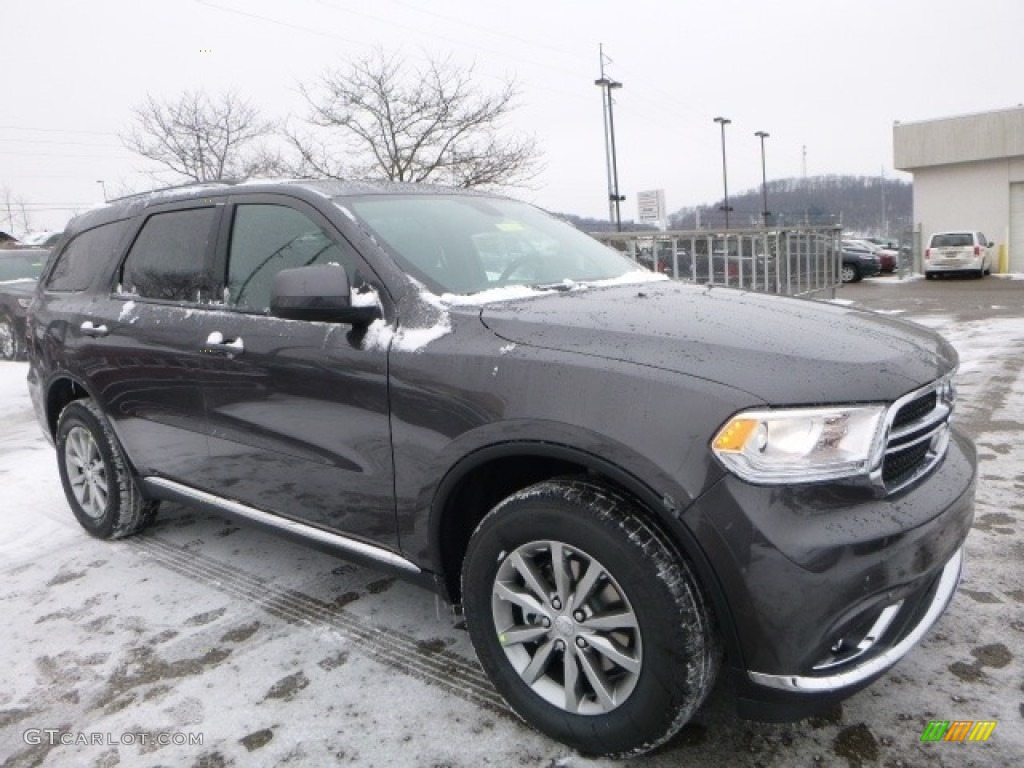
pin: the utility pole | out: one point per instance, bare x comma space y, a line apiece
764, 180
611, 162
885, 221
103, 186
805, 161
724, 121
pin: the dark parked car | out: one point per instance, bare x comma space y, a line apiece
19, 270
859, 261
625, 481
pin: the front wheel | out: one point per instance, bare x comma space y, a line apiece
587, 621
11, 347
850, 273
98, 483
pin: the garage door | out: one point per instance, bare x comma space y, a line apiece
1017, 227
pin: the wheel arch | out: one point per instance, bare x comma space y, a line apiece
61, 390
477, 482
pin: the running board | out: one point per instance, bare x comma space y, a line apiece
161, 487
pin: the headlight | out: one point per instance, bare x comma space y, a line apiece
801, 445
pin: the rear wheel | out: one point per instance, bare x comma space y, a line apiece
98, 483
590, 625
850, 273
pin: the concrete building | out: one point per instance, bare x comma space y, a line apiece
968, 174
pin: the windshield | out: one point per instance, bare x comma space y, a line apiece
21, 266
467, 244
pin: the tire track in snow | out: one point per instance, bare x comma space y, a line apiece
453, 673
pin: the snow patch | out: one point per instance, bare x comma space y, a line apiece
126, 312
506, 349
365, 298
898, 281
378, 335
513, 292
415, 339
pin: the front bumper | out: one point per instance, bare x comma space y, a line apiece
855, 676
828, 586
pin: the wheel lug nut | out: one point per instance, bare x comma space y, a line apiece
556, 604
581, 643
545, 622
579, 616
559, 645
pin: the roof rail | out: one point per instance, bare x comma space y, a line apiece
219, 182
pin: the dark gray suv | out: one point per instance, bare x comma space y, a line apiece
627, 483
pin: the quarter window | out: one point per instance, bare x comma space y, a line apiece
268, 238
171, 257
79, 262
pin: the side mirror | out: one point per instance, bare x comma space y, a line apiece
318, 293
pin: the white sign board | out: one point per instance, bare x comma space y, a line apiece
651, 205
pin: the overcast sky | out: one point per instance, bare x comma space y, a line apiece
827, 75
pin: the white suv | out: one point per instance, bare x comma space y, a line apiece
960, 251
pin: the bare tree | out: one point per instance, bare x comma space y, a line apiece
402, 122
11, 208
203, 138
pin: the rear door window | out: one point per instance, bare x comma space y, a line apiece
171, 258
77, 264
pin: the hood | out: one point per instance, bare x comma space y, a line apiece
784, 351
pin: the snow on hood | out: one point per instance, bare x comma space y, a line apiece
513, 292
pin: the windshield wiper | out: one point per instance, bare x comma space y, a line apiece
561, 285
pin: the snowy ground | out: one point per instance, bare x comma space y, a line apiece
278, 655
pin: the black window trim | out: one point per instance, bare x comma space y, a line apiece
58, 253
220, 262
141, 218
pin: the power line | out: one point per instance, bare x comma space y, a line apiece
55, 130
77, 143
55, 154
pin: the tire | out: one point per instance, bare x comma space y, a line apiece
11, 347
98, 482
850, 273
655, 663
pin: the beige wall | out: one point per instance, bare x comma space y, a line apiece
963, 139
963, 168
968, 196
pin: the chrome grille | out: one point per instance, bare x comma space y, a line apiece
917, 434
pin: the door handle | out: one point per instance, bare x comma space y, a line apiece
96, 331
215, 343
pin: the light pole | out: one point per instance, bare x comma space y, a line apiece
103, 186
724, 121
614, 198
764, 179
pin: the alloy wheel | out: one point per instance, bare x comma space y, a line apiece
567, 627
87, 472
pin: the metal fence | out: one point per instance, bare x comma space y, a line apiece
798, 261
